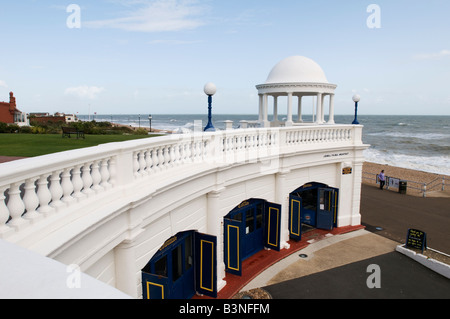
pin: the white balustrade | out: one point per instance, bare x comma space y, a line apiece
33, 189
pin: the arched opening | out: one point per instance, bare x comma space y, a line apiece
250, 227
185, 264
313, 205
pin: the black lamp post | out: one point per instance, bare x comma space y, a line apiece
356, 99
210, 90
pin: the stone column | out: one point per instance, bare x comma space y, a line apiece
215, 228
275, 108
265, 108
126, 272
282, 198
319, 109
299, 120
331, 117
260, 107
289, 110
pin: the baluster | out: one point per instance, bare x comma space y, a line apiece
67, 187
104, 172
96, 177
177, 154
155, 160
136, 164
142, 164
167, 156
162, 161
56, 190
44, 196
172, 155
4, 212
149, 161
77, 183
112, 171
31, 200
16, 207
189, 152
87, 180
183, 158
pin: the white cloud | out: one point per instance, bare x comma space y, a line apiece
3, 84
89, 92
156, 16
430, 56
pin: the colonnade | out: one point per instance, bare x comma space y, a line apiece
318, 112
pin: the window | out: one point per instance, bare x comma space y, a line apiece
161, 267
188, 255
250, 221
177, 263
310, 199
259, 216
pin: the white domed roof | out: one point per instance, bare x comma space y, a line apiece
297, 69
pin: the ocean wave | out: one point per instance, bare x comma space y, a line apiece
423, 136
431, 164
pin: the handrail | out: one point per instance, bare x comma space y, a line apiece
422, 187
33, 189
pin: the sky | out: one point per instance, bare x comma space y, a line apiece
155, 56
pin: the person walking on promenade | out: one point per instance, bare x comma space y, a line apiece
382, 179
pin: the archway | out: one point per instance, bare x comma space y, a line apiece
250, 227
313, 204
185, 264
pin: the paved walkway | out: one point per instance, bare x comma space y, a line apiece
337, 266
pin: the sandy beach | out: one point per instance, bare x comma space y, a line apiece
415, 179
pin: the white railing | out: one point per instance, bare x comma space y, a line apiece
33, 189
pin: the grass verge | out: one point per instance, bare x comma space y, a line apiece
31, 145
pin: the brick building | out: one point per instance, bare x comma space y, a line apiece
10, 114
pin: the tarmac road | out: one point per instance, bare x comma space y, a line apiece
396, 213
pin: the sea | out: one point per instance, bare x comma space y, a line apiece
415, 142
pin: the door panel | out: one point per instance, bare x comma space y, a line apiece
232, 249
154, 287
206, 264
295, 208
325, 212
272, 226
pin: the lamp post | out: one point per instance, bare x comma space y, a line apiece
356, 99
210, 89
150, 120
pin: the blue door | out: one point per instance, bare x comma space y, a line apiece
295, 211
248, 228
186, 263
327, 208
232, 246
272, 226
154, 286
206, 264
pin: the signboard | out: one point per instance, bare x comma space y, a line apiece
416, 239
346, 171
393, 182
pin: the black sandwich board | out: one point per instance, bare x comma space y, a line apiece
416, 239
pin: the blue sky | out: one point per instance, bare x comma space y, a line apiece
154, 56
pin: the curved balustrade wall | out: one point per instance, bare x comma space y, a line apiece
35, 188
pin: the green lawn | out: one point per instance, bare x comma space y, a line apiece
30, 145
